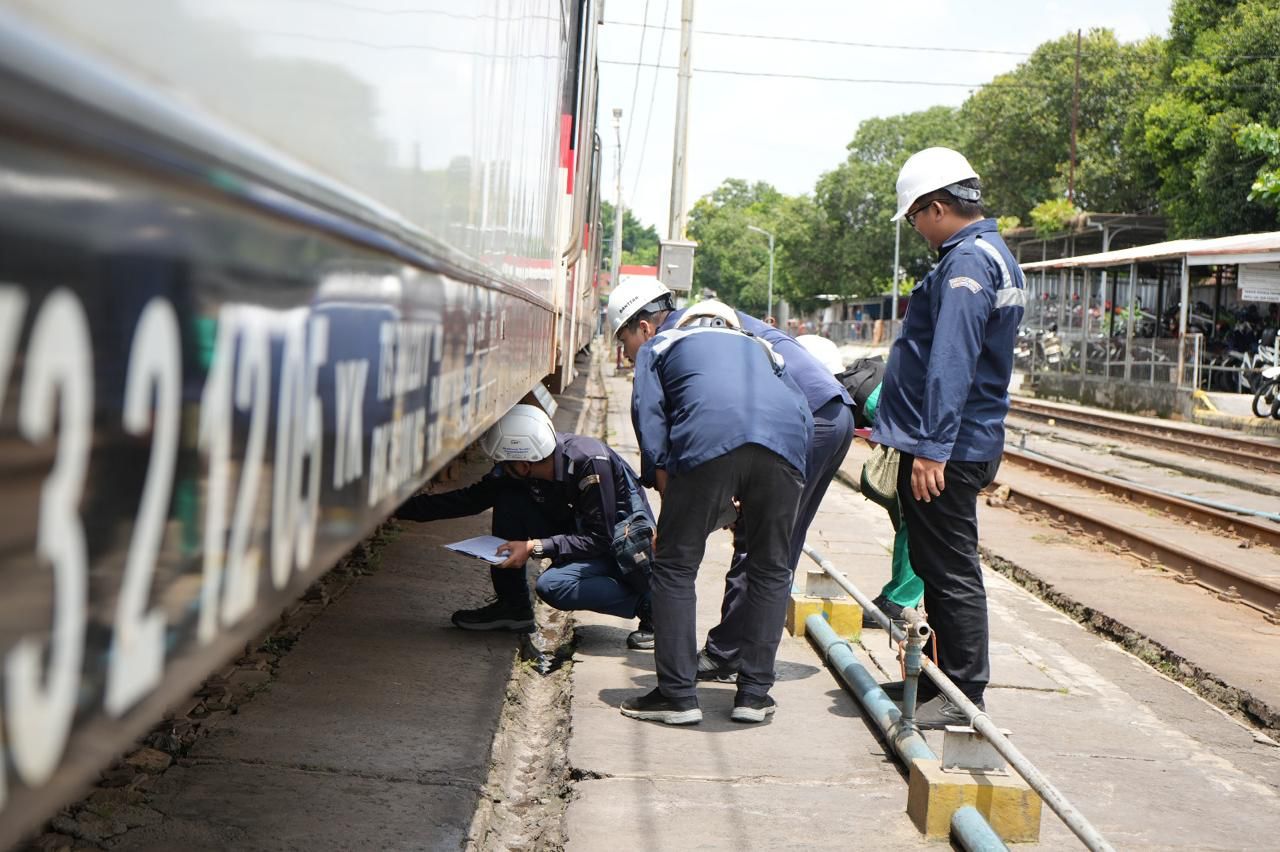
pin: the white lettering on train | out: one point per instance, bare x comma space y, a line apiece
348, 434
57, 389
136, 660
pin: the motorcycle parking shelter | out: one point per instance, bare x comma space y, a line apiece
1068, 299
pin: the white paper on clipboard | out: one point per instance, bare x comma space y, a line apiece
481, 547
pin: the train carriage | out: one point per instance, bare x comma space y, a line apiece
265, 267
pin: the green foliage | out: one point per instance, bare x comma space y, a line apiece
1264, 142
639, 242
1052, 216
857, 201
1019, 127
1007, 223
1220, 73
732, 260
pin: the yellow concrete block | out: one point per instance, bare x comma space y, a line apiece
844, 615
1010, 806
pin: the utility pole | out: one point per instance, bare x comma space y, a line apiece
676, 223
1075, 121
897, 243
616, 265
769, 310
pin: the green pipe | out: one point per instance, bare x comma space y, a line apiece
973, 833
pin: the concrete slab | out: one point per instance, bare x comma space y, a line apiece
358, 695
243, 806
644, 814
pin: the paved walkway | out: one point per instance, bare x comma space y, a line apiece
1153, 766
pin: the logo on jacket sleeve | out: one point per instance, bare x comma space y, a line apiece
965, 282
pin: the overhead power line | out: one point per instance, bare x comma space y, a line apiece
896, 82
635, 89
835, 42
653, 91
915, 47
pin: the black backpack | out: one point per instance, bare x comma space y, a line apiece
861, 378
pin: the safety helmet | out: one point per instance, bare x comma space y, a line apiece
932, 169
823, 349
631, 297
524, 433
709, 312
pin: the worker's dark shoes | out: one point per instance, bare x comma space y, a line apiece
937, 713
497, 615
886, 606
656, 707
713, 668
752, 708
641, 639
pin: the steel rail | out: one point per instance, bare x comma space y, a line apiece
1239, 451
1247, 529
1228, 582
978, 719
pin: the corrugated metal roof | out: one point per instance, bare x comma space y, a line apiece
1216, 250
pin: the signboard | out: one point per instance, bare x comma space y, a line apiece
1260, 282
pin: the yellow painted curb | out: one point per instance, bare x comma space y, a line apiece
1010, 806
844, 615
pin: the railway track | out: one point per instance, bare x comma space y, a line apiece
1227, 581
1257, 455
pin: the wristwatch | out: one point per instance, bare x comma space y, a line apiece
538, 551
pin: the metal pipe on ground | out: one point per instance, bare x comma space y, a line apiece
973, 833
905, 739
978, 719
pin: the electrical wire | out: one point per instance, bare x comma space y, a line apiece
895, 82
635, 89
644, 139
915, 47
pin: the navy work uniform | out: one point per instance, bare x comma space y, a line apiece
715, 409
572, 516
829, 404
944, 397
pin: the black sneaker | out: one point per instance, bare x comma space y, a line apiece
655, 707
710, 668
496, 615
752, 708
938, 712
641, 639
886, 606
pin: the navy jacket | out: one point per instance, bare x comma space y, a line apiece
814, 380
590, 492
946, 388
702, 392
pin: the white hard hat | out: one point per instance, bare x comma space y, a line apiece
710, 312
826, 351
630, 297
524, 433
931, 169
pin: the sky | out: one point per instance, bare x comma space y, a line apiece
789, 131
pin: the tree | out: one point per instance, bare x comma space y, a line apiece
854, 234
732, 260
1019, 127
639, 242
1221, 73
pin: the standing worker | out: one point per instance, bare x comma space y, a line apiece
717, 419
943, 404
564, 497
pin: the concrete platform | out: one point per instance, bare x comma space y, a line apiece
1151, 764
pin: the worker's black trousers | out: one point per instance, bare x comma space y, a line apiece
694, 506
942, 537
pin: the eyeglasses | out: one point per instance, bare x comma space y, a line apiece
912, 214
